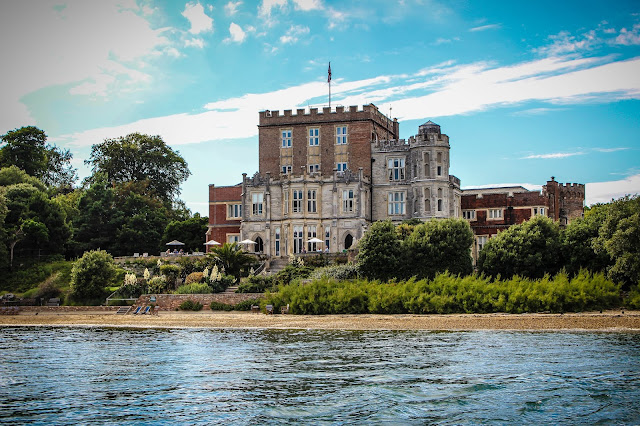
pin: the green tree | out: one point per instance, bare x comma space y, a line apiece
12, 175
141, 158
380, 252
4, 260
578, 242
232, 258
91, 274
96, 224
439, 246
619, 237
25, 148
530, 249
191, 232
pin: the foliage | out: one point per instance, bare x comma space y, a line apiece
26, 149
190, 305
232, 258
190, 231
446, 294
91, 274
141, 158
157, 285
531, 249
257, 284
246, 305
633, 301
33, 273
292, 272
217, 306
380, 252
438, 246
194, 288
194, 277
578, 240
13, 175
619, 237
222, 283
172, 272
336, 272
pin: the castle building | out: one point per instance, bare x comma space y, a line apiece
325, 176
225, 214
491, 210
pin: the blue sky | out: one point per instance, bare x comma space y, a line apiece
525, 90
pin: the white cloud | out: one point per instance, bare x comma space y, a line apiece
552, 155
603, 192
231, 8
307, 5
200, 21
336, 18
443, 90
485, 27
264, 10
74, 48
610, 149
293, 34
236, 34
194, 42
631, 37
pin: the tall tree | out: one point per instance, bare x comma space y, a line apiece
379, 252
141, 158
191, 232
25, 148
530, 249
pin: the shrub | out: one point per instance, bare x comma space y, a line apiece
194, 288
447, 293
257, 284
91, 274
190, 305
217, 306
246, 305
172, 272
222, 284
380, 252
337, 272
194, 277
157, 285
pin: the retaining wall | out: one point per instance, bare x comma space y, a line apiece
171, 302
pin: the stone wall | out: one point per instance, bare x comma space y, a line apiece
171, 302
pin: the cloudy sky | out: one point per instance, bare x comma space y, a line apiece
525, 90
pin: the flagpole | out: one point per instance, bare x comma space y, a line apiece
329, 81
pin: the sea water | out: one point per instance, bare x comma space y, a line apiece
198, 376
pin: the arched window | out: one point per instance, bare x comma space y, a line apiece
348, 241
259, 245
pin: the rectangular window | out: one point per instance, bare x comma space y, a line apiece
482, 240
277, 240
439, 170
314, 168
314, 136
297, 239
327, 237
312, 204
286, 138
297, 201
286, 170
311, 233
538, 211
341, 167
234, 211
347, 200
396, 203
233, 238
341, 135
469, 214
257, 198
396, 168
495, 214
285, 201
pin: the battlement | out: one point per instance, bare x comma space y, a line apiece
325, 114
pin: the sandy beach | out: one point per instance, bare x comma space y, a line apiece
606, 321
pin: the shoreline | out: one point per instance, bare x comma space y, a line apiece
607, 321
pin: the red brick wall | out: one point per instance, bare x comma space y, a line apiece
171, 302
219, 226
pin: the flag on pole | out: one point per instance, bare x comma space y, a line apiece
329, 77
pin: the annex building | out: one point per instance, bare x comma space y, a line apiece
326, 174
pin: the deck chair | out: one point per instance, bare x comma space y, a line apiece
146, 310
136, 254
137, 311
269, 309
255, 309
284, 309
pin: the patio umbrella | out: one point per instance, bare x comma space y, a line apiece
247, 241
315, 240
212, 243
175, 243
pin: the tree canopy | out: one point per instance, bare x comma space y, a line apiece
190, 231
140, 158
